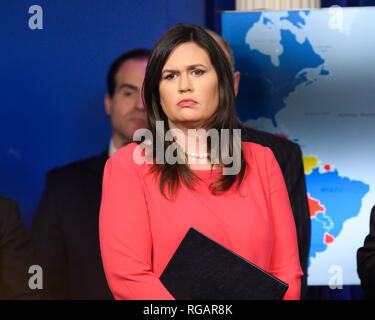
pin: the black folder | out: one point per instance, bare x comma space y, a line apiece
202, 269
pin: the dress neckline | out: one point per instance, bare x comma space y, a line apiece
207, 172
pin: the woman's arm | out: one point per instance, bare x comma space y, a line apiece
125, 233
285, 257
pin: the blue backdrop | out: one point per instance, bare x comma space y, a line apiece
53, 80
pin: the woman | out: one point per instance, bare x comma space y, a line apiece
147, 208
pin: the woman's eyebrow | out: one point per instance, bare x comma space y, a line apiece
194, 66
190, 67
169, 70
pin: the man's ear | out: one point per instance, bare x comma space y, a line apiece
107, 104
236, 81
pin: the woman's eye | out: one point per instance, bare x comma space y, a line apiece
198, 72
170, 76
128, 93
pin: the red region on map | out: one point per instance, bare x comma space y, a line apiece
328, 238
314, 206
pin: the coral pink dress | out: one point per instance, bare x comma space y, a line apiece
140, 229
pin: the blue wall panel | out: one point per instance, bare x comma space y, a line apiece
53, 80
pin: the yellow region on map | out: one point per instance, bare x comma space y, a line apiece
310, 163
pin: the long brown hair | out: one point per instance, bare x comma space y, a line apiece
223, 118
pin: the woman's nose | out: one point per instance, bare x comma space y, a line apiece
185, 83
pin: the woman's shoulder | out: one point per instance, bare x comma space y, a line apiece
257, 150
125, 153
259, 156
129, 155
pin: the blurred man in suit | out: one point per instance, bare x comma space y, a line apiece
65, 226
366, 260
16, 254
289, 157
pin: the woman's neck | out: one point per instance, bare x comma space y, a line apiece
194, 144
191, 140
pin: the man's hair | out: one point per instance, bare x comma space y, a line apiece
137, 54
223, 118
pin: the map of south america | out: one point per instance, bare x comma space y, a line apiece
332, 199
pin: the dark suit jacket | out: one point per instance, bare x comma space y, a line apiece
289, 156
16, 254
366, 260
65, 231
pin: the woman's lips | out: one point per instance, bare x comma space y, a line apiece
187, 103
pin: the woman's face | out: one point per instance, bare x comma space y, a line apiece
189, 90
